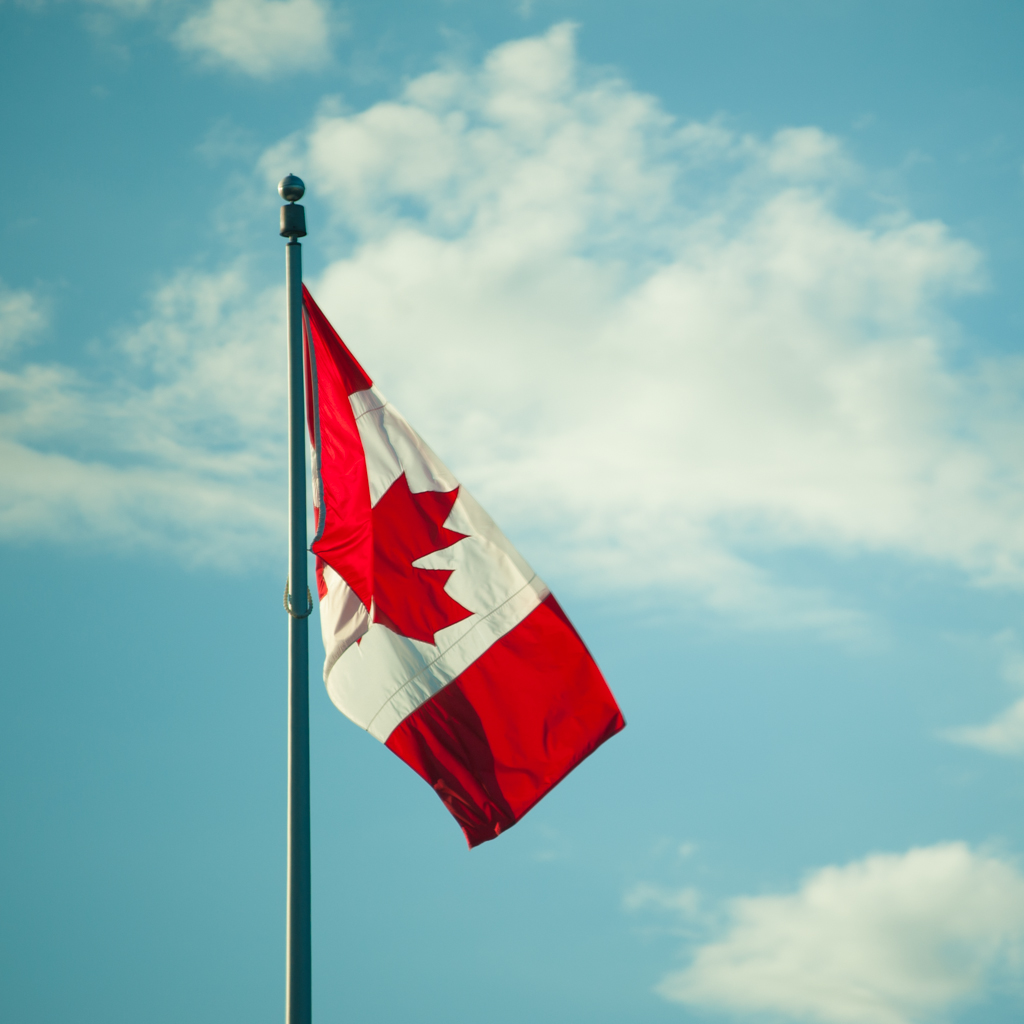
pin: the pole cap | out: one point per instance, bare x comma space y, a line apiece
291, 188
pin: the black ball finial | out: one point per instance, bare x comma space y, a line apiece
291, 188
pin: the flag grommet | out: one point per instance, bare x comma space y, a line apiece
288, 603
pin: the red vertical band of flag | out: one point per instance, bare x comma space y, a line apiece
344, 538
512, 726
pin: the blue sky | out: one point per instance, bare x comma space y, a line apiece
715, 308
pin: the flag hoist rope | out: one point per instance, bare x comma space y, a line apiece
298, 970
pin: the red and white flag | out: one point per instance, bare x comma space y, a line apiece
441, 641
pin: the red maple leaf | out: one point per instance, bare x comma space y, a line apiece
407, 526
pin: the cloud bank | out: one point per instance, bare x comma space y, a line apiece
656, 351
891, 939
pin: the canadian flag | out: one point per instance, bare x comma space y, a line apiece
441, 640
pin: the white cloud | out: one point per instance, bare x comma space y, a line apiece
655, 349
1005, 733
891, 939
690, 357
21, 316
182, 450
264, 38
807, 153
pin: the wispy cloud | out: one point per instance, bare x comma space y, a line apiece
655, 350
891, 939
1005, 733
21, 316
131, 8
263, 38
680, 901
180, 450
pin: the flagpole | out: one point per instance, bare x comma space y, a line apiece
298, 967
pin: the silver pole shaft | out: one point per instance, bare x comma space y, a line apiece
298, 967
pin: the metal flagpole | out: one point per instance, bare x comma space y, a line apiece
298, 603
